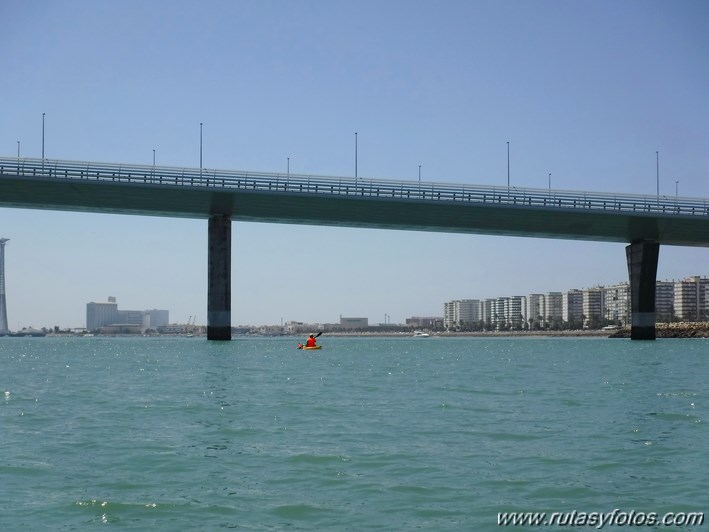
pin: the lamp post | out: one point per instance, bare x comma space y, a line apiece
419, 176
288, 167
508, 164
43, 136
550, 181
200, 145
18, 149
657, 166
676, 189
153, 158
355, 157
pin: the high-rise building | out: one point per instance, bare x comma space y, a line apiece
665, 300
536, 310
691, 298
516, 312
572, 307
461, 312
501, 309
4, 328
554, 308
107, 314
487, 312
101, 314
617, 303
158, 318
592, 306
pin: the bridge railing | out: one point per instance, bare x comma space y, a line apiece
349, 186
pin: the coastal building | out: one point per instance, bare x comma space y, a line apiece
593, 306
487, 312
616, 301
158, 318
690, 298
424, 322
460, 313
500, 313
572, 308
106, 316
554, 309
354, 323
99, 314
665, 300
536, 310
516, 312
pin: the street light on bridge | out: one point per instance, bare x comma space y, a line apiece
355, 156
43, 136
508, 164
657, 165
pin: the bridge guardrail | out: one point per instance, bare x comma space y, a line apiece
350, 186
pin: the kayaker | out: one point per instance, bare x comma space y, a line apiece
311, 341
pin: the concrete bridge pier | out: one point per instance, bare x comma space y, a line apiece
642, 270
219, 279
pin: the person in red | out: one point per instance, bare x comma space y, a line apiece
311, 341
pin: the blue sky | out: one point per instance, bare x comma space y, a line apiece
585, 90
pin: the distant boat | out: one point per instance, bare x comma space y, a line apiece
28, 332
421, 334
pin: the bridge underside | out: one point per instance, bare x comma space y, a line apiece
642, 230
355, 211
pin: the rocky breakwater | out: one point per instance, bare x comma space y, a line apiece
680, 329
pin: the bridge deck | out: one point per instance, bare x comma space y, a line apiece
343, 201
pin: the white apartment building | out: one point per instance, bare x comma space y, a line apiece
665, 300
99, 314
690, 298
536, 310
592, 305
572, 307
554, 308
461, 312
616, 307
516, 312
487, 311
500, 313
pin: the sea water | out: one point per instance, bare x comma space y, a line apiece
366, 434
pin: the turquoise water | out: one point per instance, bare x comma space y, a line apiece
367, 434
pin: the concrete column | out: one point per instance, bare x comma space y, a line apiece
219, 279
642, 270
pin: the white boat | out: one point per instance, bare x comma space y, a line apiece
421, 334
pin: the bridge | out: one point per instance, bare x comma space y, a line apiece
220, 196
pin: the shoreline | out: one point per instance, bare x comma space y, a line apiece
663, 330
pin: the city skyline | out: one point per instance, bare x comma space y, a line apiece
112, 300
463, 92
588, 307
